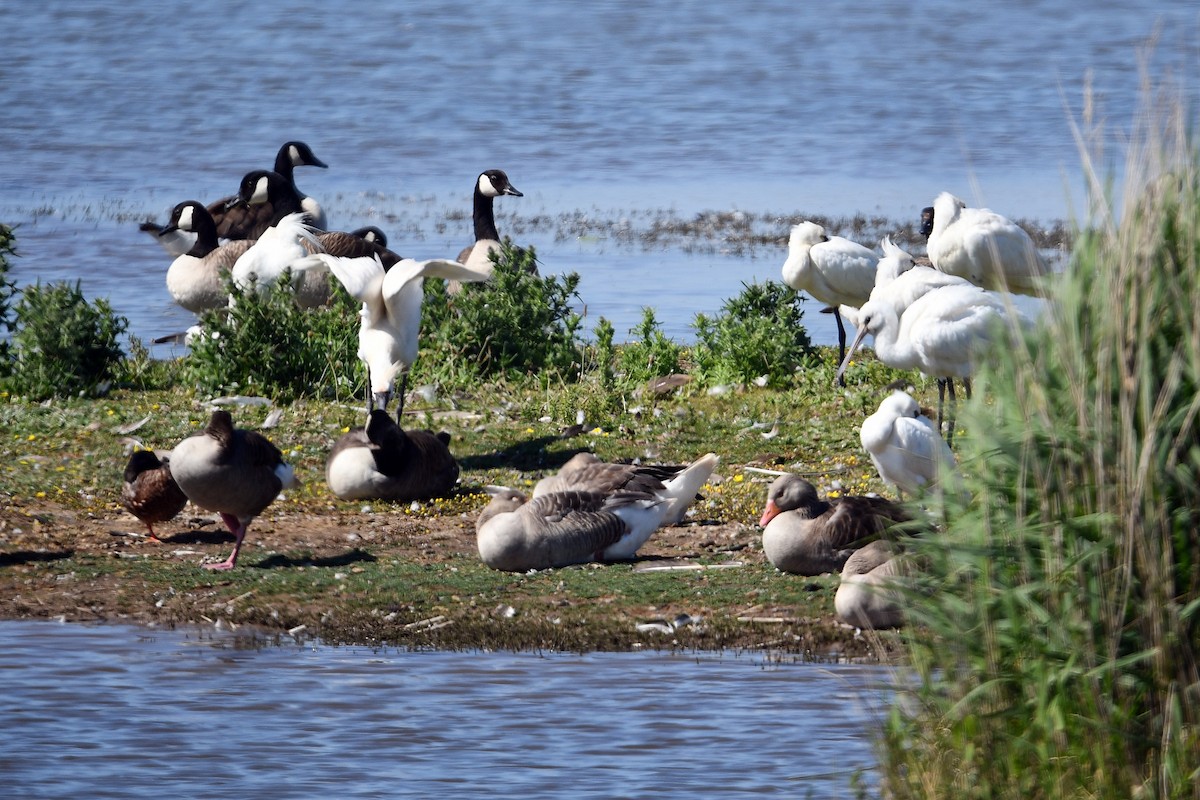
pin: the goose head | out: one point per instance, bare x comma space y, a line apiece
494, 183
257, 187
926, 221
298, 154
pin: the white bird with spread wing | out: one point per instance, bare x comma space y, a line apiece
389, 334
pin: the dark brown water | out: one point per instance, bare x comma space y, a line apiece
121, 712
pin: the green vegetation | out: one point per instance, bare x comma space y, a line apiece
1059, 626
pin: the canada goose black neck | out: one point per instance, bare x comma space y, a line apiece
488, 186
193, 217
295, 154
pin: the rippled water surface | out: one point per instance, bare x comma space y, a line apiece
115, 111
114, 711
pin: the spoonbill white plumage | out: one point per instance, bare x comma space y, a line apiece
904, 445
390, 327
833, 270
940, 333
984, 247
282, 247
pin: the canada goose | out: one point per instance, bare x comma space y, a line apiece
194, 279
372, 234
905, 446
148, 491
234, 223
941, 333
234, 472
984, 247
390, 327
585, 472
833, 270
382, 462
489, 185
516, 534
869, 595
806, 535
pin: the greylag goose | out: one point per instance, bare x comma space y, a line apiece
869, 595
585, 472
516, 534
806, 535
234, 472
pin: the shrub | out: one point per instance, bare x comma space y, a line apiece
62, 345
517, 323
756, 333
265, 344
7, 288
650, 355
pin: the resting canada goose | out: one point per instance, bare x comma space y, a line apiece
805, 535
234, 472
390, 327
869, 595
833, 270
905, 446
235, 223
149, 492
382, 462
372, 234
516, 534
984, 247
194, 278
489, 185
585, 472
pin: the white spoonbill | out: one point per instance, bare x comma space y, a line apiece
905, 446
833, 270
984, 247
940, 333
390, 328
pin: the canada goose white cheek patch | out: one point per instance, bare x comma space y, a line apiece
260, 192
185, 218
486, 188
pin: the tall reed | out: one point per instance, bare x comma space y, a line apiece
1055, 642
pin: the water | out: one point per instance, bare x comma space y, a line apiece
123, 712
115, 111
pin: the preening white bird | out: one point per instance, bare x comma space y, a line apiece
390, 327
905, 447
941, 333
832, 270
870, 594
516, 534
984, 247
285, 246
